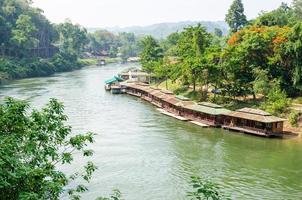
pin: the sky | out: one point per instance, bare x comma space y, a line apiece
122, 13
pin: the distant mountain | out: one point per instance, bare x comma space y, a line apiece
162, 30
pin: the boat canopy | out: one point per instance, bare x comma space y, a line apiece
114, 80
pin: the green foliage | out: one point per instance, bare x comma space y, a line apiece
218, 32
27, 38
104, 42
23, 68
235, 16
297, 5
277, 102
72, 38
294, 118
282, 16
169, 45
206, 190
294, 52
23, 34
33, 144
151, 54
192, 46
115, 196
23, 29
261, 84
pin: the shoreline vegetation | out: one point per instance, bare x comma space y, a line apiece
32, 46
39, 67
258, 64
231, 104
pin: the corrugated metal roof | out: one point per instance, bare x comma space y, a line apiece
185, 103
172, 100
254, 111
207, 109
207, 104
182, 98
255, 115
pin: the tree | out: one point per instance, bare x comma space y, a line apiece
169, 45
32, 145
191, 51
294, 118
151, 54
23, 34
128, 45
261, 83
235, 16
72, 38
294, 51
282, 16
218, 32
277, 102
256, 47
297, 5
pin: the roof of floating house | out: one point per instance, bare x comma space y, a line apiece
167, 92
255, 115
208, 108
114, 79
182, 98
158, 94
172, 100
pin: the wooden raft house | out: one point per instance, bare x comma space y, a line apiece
254, 121
206, 114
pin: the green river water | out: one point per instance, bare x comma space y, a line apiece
149, 156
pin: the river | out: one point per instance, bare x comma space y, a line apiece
149, 156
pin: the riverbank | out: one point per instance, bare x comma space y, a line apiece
236, 104
11, 68
205, 114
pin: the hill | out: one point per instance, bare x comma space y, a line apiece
162, 30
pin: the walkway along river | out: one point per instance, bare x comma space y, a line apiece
151, 156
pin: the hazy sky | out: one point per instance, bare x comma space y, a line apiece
103, 13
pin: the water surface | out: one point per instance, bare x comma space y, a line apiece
149, 156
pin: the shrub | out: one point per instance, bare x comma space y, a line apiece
277, 102
33, 145
294, 118
204, 189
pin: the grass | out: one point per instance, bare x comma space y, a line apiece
113, 60
88, 61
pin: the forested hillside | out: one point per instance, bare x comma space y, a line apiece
162, 30
30, 45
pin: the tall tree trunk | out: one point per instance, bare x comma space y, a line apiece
254, 96
194, 84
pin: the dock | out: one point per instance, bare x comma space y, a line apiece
254, 132
172, 115
200, 124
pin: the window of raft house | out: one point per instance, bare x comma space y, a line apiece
244, 122
269, 126
278, 125
258, 124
